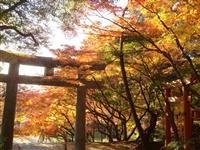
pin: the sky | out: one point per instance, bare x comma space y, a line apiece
23, 69
58, 39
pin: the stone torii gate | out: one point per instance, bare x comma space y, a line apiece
12, 79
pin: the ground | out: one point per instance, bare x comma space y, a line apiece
30, 143
93, 146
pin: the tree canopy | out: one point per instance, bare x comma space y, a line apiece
25, 24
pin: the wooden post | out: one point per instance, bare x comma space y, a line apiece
167, 120
9, 107
80, 118
187, 118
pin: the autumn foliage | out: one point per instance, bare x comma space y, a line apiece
147, 46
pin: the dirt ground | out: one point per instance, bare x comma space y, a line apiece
30, 143
92, 146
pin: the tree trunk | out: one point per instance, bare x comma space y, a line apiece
144, 141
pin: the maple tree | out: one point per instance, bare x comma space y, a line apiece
111, 116
153, 49
146, 45
49, 115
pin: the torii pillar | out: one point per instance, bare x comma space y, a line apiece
9, 107
167, 120
187, 118
80, 125
80, 118
80, 133
80, 115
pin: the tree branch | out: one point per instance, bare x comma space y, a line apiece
7, 27
11, 8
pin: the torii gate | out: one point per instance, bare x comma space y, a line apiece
12, 79
189, 114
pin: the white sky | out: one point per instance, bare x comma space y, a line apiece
4, 68
23, 70
122, 3
60, 37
